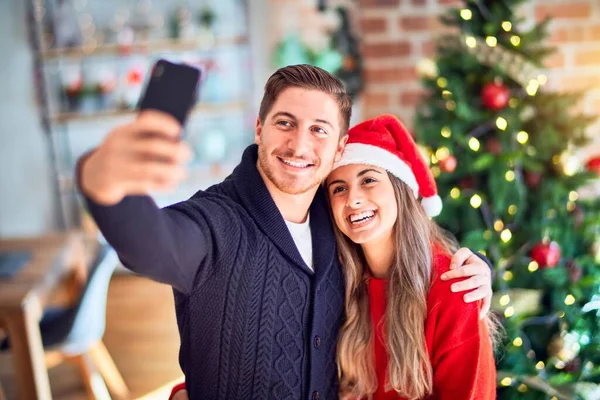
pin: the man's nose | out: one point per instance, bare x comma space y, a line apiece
299, 142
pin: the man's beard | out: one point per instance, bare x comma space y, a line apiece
290, 187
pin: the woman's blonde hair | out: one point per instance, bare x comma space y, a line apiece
409, 368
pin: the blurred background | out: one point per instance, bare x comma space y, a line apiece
503, 97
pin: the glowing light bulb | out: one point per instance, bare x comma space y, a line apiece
569, 300
475, 201
501, 123
522, 137
474, 144
533, 266
491, 41
471, 42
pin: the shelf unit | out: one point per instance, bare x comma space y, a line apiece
69, 133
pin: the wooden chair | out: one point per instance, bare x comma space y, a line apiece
75, 333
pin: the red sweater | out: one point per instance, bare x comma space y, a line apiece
457, 341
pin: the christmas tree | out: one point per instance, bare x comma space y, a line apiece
502, 148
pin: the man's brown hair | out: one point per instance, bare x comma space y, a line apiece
307, 77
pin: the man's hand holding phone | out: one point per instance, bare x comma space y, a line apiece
146, 155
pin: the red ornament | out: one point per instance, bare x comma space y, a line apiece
448, 164
533, 179
495, 96
546, 254
494, 146
593, 165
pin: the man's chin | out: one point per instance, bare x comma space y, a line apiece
294, 189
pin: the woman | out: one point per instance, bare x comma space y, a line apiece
406, 335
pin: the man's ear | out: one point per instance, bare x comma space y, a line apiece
340, 147
257, 131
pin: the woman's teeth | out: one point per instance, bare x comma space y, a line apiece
361, 217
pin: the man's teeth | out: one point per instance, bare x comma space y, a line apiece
295, 164
363, 216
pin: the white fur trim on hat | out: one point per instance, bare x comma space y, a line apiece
432, 205
360, 153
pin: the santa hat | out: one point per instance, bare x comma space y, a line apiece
385, 143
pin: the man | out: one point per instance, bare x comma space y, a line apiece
258, 288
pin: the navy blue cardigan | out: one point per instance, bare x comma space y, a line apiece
255, 322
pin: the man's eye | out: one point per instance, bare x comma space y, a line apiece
287, 124
319, 130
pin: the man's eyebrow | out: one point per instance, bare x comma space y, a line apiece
322, 121
293, 117
285, 114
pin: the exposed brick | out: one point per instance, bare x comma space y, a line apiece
376, 100
556, 60
576, 34
451, 2
570, 34
572, 83
389, 49
419, 23
588, 57
594, 33
596, 107
373, 25
383, 3
411, 98
572, 10
390, 74
428, 48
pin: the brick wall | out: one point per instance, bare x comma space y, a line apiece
397, 34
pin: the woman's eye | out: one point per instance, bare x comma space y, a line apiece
338, 189
369, 180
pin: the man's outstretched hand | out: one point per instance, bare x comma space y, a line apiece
144, 156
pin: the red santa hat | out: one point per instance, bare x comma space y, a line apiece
385, 143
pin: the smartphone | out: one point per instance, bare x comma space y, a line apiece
172, 88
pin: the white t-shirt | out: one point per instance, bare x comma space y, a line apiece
302, 238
